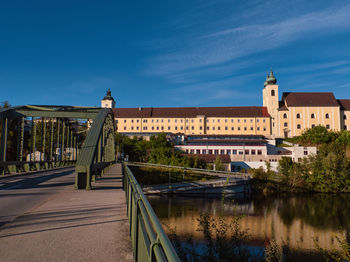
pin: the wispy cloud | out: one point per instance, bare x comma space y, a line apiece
211, 49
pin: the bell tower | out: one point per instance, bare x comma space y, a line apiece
270, 101
108, 100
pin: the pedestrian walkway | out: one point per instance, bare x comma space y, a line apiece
72, 225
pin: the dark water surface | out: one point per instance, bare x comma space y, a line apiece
296, 221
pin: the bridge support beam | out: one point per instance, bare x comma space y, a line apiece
20, 138
3, 145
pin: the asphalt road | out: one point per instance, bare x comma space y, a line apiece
20, 194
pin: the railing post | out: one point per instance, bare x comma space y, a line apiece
33, 135
62, 143
51, 139
58, 137
44, 136
3, 142
20, 138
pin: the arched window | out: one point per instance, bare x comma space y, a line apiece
298, 115
284, 115
327, 115
345, 117
272, 92
312, 115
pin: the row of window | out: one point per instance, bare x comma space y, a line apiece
192, 128
192, 120
224, 151
285, 116
312, 126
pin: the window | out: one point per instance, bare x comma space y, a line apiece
210, 152
152, 120
312, 115
145, 121
259, 152
207, 120
200, 120
192, 127
264, 128
181, 120
253, 152
245, 121
312, 126
234, 152
218, 120
124, 127
240, 152
285, 124
216, 152
272, 92
226, 128
264, 120
200, 128
327, 116
132, 120
258, 128
204, 151
198, 151
162, 128
175, 120
132, 128
238, 128
298, 115
213, 128
222, 152
191, 120
219, 128
225, 120
181, 127
157, 127
228, 151
186, 127
231, 120
327, 126
298, 126
305, 153
192, 151
257, 120
246, 151
238, 120
137, 121
168, 127
152, 127
168, 120
345, 127
251, 128
175, 127
124, 120
145, 128
208, 128
232, 128
186, 120
285, 116
137, 128
344, 117
245, 128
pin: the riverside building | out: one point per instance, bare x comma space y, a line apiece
287, 117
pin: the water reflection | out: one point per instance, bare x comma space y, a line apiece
297, 221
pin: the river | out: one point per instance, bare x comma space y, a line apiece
297, 221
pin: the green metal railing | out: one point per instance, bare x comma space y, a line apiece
149, 241
16, 167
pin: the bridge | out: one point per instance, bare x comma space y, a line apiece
46, 153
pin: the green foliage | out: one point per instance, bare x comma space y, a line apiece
218, 164
157, 151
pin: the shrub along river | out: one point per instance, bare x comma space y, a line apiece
297, 223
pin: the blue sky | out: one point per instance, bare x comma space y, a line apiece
170, 53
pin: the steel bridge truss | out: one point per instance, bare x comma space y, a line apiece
96, 153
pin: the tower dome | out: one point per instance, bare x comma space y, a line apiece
270, 79
108, 100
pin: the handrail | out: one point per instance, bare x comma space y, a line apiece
16, 167
195, 170
149, 241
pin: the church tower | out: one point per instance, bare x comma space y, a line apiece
270, 100
108, 100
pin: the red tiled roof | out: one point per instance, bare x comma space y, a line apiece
184, 112
344, 103
309, 99
211, 158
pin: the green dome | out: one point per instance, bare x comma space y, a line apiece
270, 79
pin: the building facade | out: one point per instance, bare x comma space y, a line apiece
287, 117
